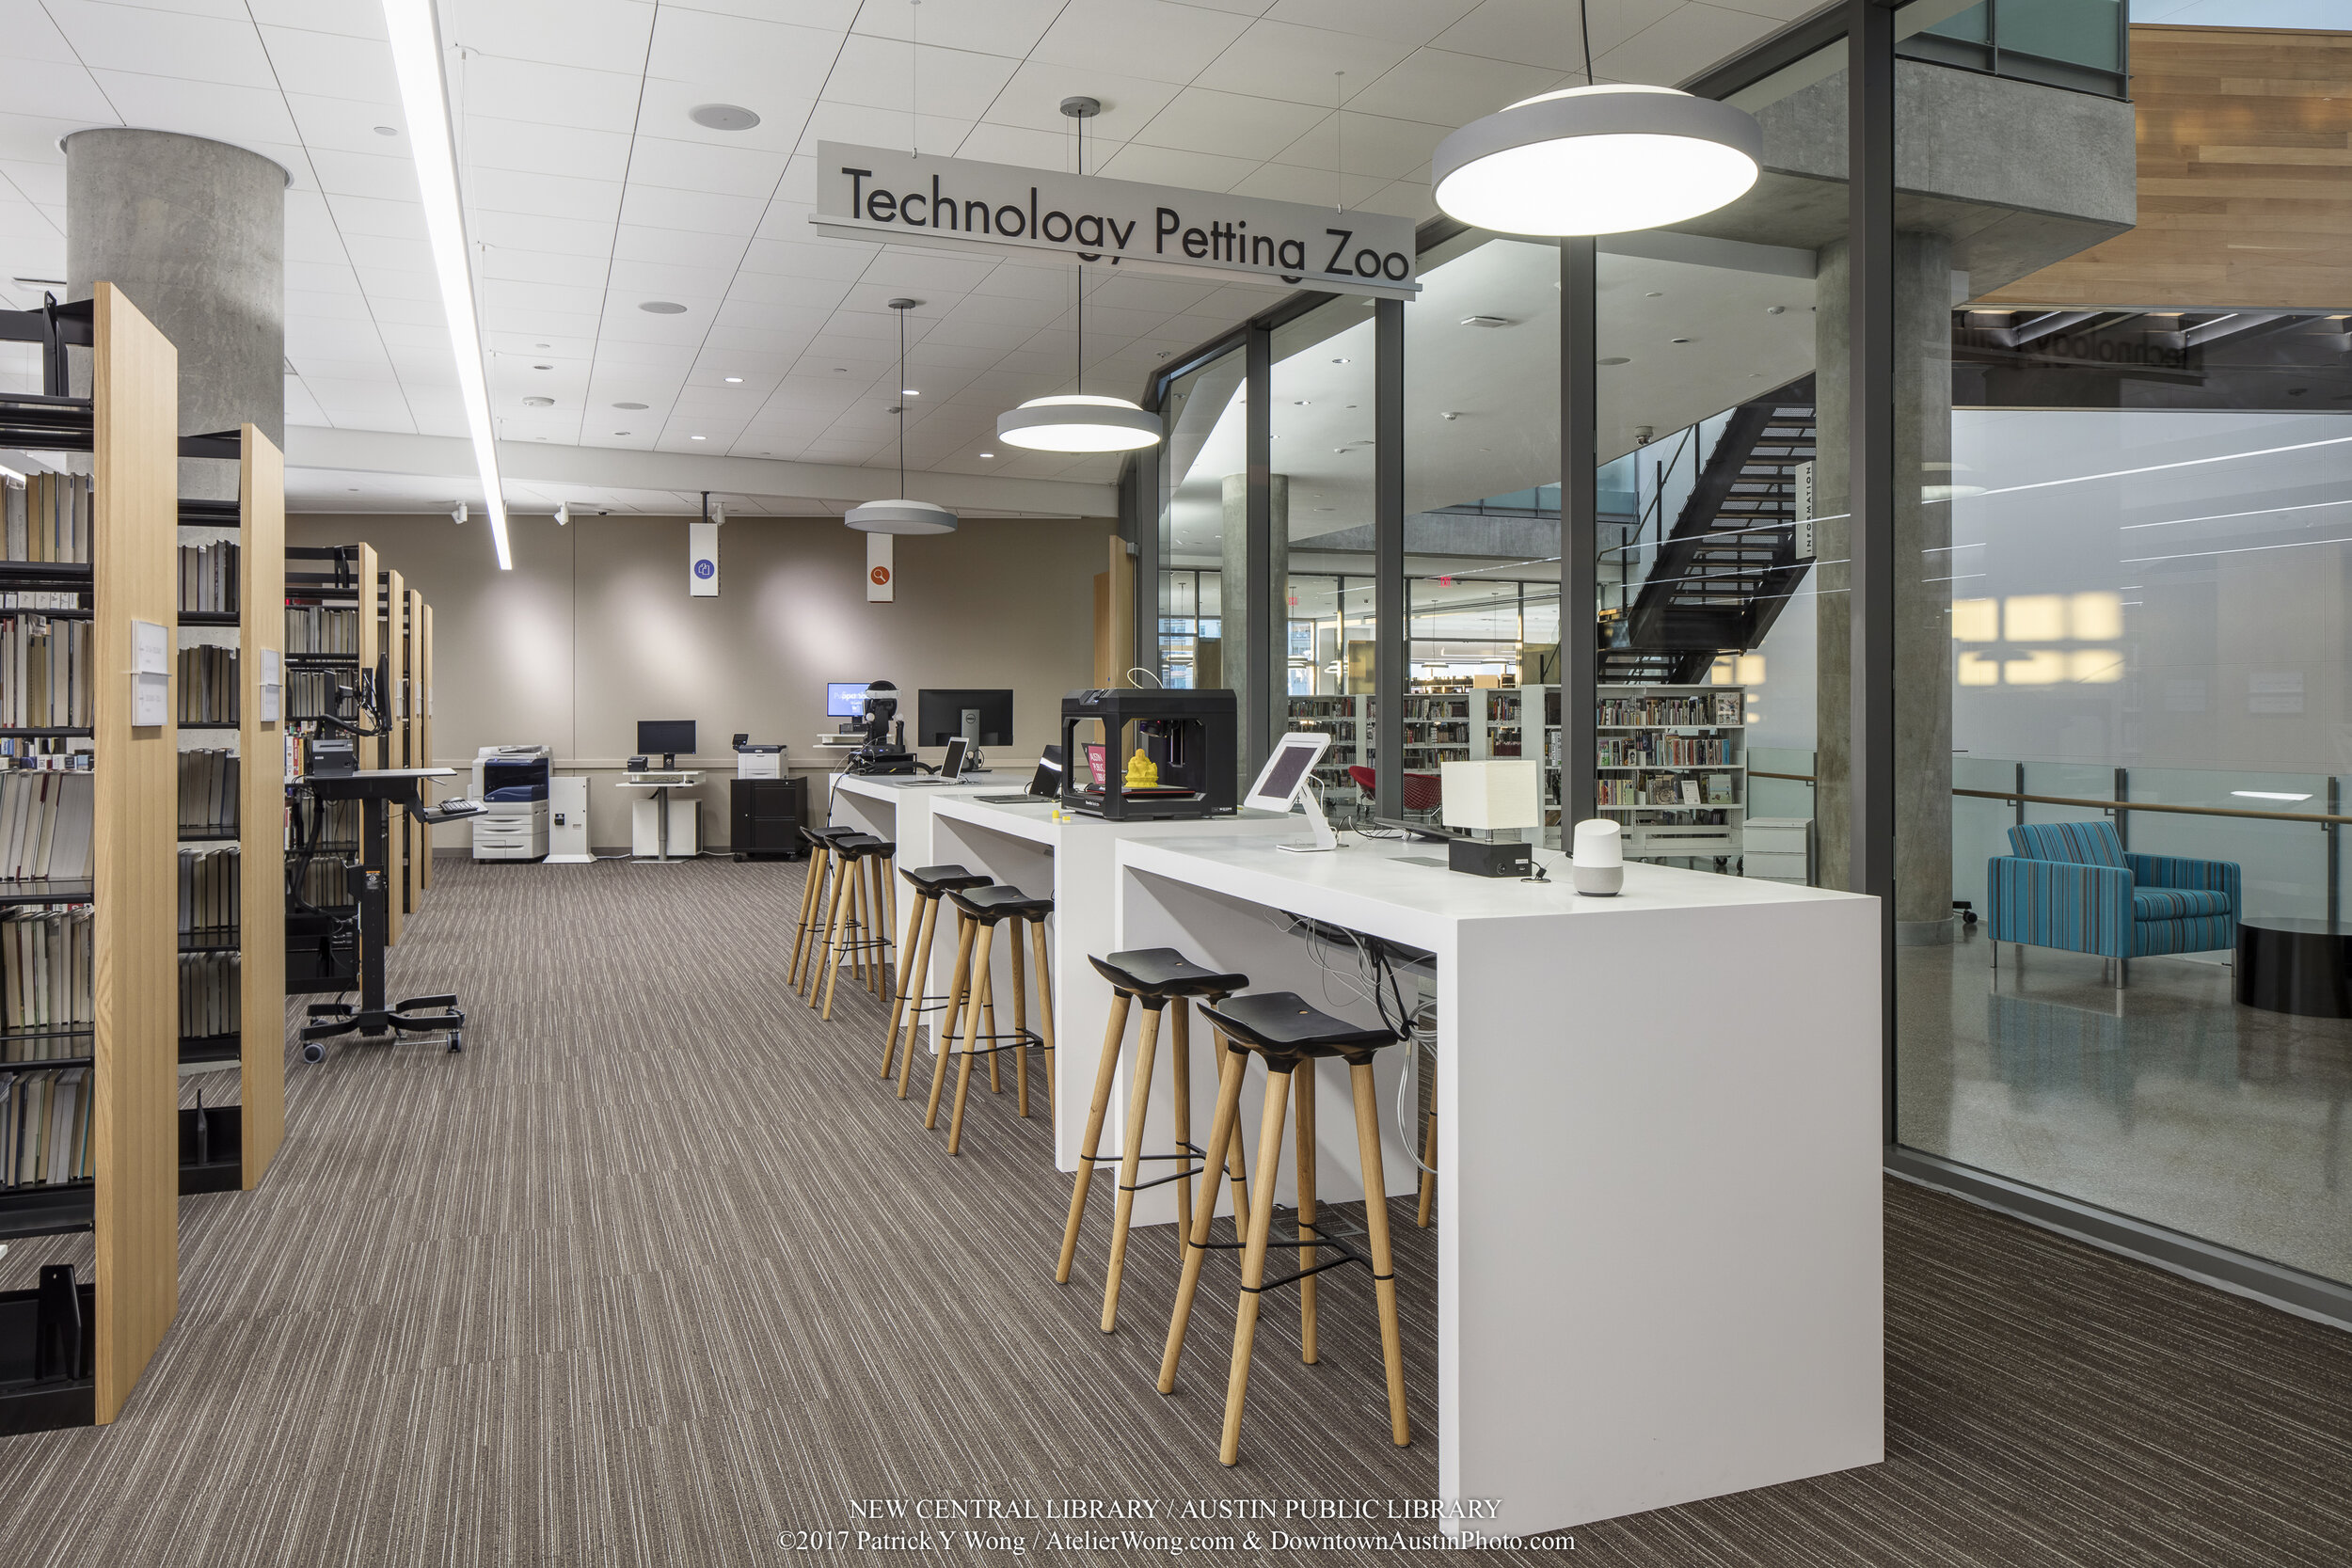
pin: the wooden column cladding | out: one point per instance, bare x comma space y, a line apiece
261, 803
135, 1124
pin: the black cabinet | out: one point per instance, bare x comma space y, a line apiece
764, 815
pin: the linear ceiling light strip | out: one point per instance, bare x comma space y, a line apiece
415, 37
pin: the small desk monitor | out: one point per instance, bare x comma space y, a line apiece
982, 717
667, 737
1288, 772
954, 763
845, 699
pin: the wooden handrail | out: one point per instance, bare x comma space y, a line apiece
2319, 816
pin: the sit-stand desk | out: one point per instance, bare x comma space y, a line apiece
379, 790
654, 804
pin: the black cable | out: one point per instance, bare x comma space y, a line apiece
1584, 18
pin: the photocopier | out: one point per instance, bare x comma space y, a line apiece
511, 782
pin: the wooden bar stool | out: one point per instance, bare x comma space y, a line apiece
930, 883
1280, 1027
980, 910
1155, 977
808, 941
861, 928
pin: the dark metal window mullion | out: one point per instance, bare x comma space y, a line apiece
1391, 636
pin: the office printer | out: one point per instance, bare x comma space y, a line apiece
511, 782
757, 762
1188, 735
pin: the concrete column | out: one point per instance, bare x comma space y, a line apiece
1243, 663
194, 231
1923, 536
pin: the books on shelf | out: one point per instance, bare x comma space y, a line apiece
1667, 789
210, 890
46, 816
209, 994
1709, 710
1658, 750
208, 684
50, 520
312, 692
45, 1127
208, 792
323, 884
314, 629
44, 672
208, 577
47, 966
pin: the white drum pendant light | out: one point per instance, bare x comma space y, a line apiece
1597, 160
1073, 421
899, 515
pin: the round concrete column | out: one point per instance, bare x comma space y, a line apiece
193, 232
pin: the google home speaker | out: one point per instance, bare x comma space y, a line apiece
1598, 862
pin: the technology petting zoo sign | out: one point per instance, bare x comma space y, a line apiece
873, 193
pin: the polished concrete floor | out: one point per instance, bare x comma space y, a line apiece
2181, 1108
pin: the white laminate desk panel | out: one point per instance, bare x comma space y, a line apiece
1659, 1153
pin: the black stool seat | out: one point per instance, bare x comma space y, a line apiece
865, 846
989, 905
1280, 1023
1156, 973
831, 836
937, 879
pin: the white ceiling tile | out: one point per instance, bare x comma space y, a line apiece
331, 65
666, 104
955, 83
703, 167
696, 212
591, 35
1229, 124
1032, 100
1404, 198
162, 43
871, 127
1683, 43
500, 296
61, 92
359, 174
1283, 60
1024, 148
899, 270
347, 125
1371, 145
224, 112
368, 216
506, 262
374, 253
666, 280
524, 232
32, 37
1441, 89
321, 278
543, 196
42, 185
1539, 32
558, 95
531, 146
32, 138
357, 18
327, 307
807, 259
740, 58
1150, 38
808, 293
1319, 186
1409, 22
1168, 165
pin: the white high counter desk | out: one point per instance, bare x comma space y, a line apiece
1659, 1247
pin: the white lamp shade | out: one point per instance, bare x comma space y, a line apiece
1071, 423
1493, 795
1600, 843
1598, 160
900, 516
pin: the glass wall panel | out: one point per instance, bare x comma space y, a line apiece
2124, 688
1202, 450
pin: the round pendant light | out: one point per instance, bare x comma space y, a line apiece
899, 515
1074, 422
1598, 160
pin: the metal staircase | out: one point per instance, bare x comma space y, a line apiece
1717, 578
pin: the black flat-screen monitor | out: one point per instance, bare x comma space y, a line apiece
939, 715
667, 737
845, 699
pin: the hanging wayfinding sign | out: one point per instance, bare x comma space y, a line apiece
873, 193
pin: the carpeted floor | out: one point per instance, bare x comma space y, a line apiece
655, 1272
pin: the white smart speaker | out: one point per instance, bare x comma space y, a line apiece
1598, 861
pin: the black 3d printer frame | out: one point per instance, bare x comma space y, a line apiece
1207, 767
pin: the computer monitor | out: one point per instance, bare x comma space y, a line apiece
982, 717
845, 699
1288, 771
667, 737
953, 765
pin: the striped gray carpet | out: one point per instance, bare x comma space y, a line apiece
655, 1272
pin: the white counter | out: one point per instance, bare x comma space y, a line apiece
1659, 1253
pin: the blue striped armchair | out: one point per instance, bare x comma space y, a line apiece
2070, 885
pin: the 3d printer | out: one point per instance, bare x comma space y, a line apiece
885, 748
1187, 737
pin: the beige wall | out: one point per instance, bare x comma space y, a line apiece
592, 630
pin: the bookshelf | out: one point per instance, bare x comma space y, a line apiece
1673, 769
422, 618
128, 1199
327, 635
261, 811
392, 608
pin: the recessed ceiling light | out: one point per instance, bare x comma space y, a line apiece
620, 432
1299, 402
1343, 361
987, 454
909, 392
1682, 339
1614, 360
538, 403
723, 117
543, 367
735, 381
2267, 795
696, 438
662, 307
633, 407
386, 131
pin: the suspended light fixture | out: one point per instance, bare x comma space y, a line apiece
900, 516
1073, 421
1597, 160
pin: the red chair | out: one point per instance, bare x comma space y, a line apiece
1423, 792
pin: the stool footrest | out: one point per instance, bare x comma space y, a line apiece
1020, 1040
1335, 1241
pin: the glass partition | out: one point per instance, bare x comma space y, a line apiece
1202, 448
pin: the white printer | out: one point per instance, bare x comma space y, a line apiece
511, 782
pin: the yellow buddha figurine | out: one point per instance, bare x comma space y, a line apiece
1142, 773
